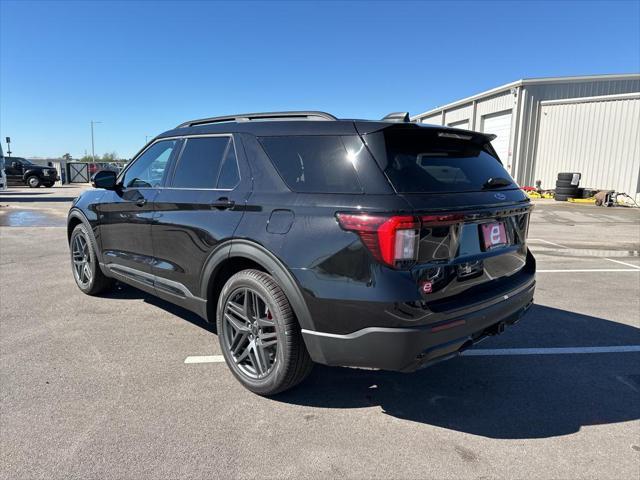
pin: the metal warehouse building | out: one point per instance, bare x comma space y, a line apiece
587, 124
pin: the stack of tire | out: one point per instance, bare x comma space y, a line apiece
567, 186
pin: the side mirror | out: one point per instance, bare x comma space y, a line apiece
104, 179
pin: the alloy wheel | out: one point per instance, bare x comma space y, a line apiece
249, 331
81, 259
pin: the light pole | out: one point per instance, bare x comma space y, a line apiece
93, 151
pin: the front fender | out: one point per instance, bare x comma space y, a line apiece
28, 173
76, 215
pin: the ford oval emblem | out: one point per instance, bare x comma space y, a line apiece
500, 196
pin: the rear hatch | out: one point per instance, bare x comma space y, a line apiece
471, 216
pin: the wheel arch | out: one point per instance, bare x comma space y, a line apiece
32, 172
75, 218
237, 255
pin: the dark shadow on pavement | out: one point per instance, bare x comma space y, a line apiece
42, 192
36, 199
506, 397
126, 292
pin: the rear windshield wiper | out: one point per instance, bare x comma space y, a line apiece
496, 182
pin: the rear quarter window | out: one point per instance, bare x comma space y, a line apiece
312, 164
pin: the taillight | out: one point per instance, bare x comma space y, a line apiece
442, 219
391, 239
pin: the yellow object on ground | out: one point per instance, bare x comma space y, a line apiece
582, 200
533, 194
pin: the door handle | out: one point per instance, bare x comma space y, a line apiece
141, 202
223, 203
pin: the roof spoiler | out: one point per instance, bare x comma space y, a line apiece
400, 117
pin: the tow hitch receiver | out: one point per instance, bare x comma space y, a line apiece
497, 329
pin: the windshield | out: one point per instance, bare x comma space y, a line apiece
418, 161
24, 161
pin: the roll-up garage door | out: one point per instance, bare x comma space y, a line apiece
499, 124
464, 124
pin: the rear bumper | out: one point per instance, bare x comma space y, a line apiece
407, 349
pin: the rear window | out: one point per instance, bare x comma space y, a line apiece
312, 164
419, 161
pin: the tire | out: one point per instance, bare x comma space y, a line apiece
572, 191
567, 176
265, 352
564, 183
33, 181
562, 198
84, 264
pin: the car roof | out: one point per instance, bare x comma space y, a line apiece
296, 123
268, 128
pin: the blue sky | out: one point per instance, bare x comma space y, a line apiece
143, 67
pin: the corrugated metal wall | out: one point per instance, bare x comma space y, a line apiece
533, 94
598, 137
524, 99
497, 103
459, 114
433, 120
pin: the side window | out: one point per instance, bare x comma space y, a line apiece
229, 175
313, 164
149, 168
199, 164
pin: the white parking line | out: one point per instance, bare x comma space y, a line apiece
581, 270
549, 351
623, 263
205, 359
546, 241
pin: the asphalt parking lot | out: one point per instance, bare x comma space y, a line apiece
99, 388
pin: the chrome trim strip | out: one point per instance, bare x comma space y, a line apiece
359, 333
170, 286
177, 163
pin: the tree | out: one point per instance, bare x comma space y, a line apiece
67, 157
110, 157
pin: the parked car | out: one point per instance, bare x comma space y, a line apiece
3, 178
307, 238
98, 166
20, 171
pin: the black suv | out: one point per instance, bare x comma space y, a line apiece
20, 171
308, 238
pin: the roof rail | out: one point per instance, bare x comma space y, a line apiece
400, 117
246, 117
